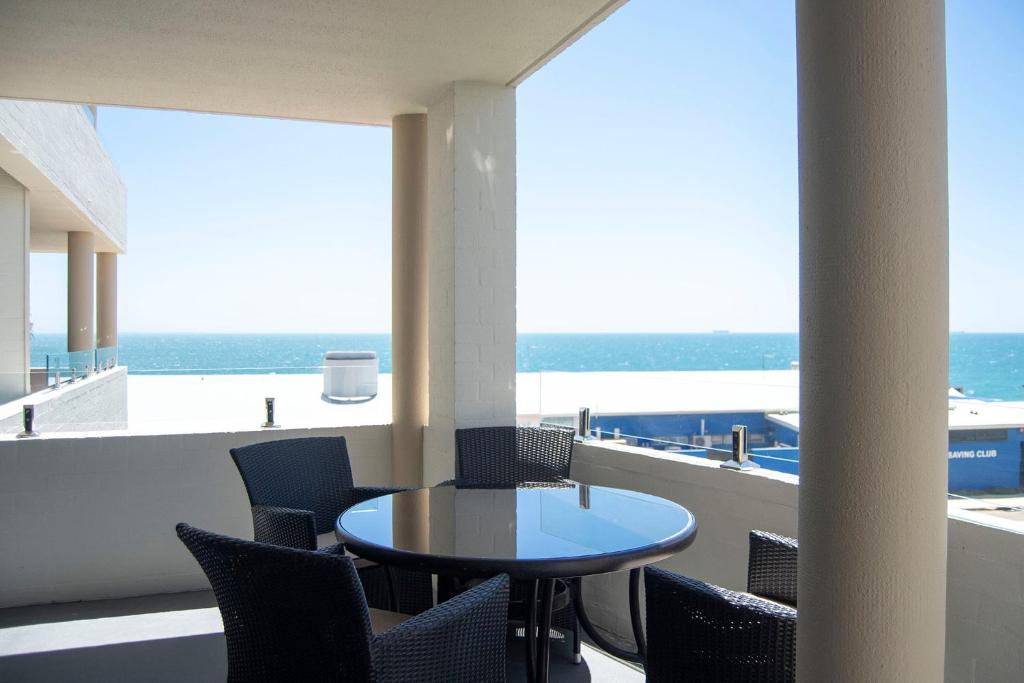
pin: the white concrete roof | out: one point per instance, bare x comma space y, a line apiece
653, 393
963, 414
349, 61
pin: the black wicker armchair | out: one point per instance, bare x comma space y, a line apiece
701, 632
299, 615
514, 456
771, 568
298, 487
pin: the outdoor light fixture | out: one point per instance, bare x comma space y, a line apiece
28, 416
583, 425
269, 403
740, 457
584, 496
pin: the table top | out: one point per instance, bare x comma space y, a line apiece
532, 531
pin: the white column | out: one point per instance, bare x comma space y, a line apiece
14, 251
471, 153
106, 299
874, 329
409, 283
81, 290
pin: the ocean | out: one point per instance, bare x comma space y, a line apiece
985, 365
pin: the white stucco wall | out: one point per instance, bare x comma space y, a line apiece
985, 588
92, 517
61, 143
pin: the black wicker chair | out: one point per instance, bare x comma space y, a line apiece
771, 568
298, 487
700, 632
507, 456
299, 615
514, 456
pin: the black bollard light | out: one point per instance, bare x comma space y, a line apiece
28, 417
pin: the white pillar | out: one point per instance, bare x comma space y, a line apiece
471, 153
874, 329
14, 251
409, 358
81, 290
106, 299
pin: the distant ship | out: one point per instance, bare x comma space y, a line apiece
719, 331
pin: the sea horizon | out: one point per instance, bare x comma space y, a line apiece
983, 364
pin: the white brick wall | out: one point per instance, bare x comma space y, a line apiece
89, 517
472, 195
14, 236
985, 571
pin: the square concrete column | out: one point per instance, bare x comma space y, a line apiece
471, 150
14, 251
81, 290
874, 340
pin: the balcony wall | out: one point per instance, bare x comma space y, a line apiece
93, 403
985, 604
91, 517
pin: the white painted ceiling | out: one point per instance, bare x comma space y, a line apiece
352, 61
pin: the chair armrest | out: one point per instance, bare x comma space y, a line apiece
771, 567
462, 639
336, 549
715, 634
284, 526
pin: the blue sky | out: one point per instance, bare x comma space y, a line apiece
657, 175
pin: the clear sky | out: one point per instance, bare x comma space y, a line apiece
657, 179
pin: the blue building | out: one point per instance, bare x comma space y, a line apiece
986, 440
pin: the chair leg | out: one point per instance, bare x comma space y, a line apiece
577, 657
392, 590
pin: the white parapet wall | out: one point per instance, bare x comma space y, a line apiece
89, 517
985, 603
93, 403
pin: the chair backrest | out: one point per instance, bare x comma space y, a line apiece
697, 631
506, 456
288, 614
771, 567
312, 473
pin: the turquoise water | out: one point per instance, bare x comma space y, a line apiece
986, 365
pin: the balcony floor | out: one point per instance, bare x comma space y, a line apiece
96, 650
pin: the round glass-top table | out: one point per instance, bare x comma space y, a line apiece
536, 533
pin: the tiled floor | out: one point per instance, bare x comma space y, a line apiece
205, 659
596, 666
